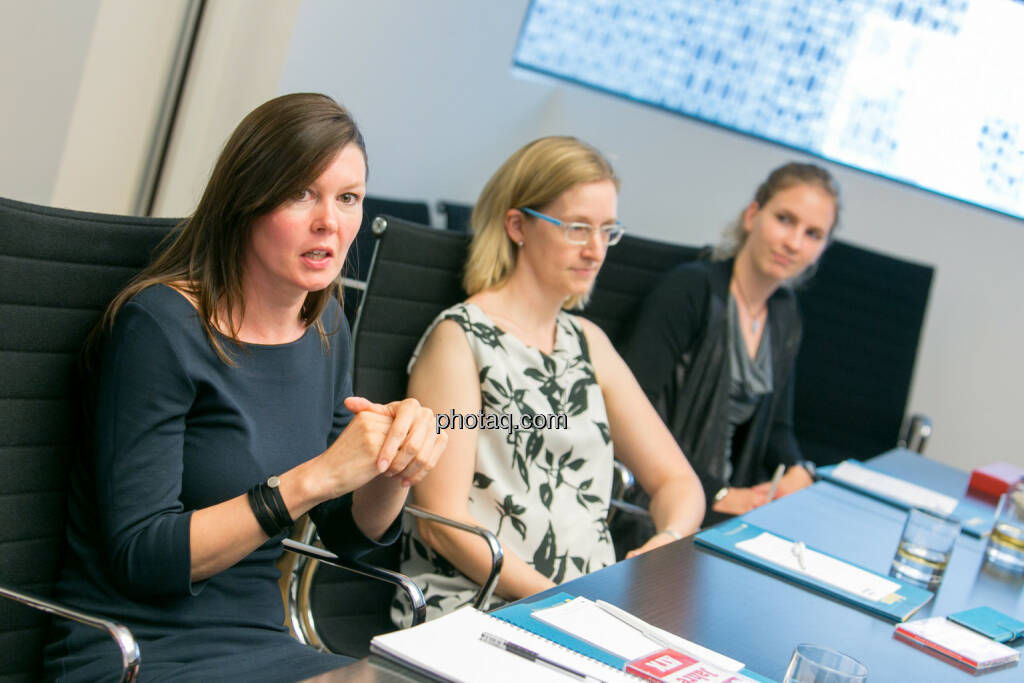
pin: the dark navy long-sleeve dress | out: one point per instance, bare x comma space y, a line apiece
175, 429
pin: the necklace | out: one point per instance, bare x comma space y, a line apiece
755, 323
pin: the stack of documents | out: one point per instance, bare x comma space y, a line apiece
554, 639
958, 642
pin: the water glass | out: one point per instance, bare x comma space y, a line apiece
818, 664
1006, 544
925, 546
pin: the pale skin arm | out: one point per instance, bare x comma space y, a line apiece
382, 451
795, 478
644, 444
740, 501
445, 378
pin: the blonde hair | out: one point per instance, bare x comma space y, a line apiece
782, 178
534, 177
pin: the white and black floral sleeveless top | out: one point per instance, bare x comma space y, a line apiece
543, 491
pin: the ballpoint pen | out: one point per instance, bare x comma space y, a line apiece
525, 653
776, 478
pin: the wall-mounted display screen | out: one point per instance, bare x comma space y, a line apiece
927, 92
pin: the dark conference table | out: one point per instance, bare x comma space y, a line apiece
757, 618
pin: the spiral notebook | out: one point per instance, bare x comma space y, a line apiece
449, 649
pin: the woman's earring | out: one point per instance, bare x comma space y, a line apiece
520, 243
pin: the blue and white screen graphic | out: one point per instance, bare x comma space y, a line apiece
927, 92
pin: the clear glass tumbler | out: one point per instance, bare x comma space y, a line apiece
819, 664
925, 547
1006, 544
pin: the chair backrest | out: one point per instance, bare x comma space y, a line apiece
416, 274
456, 215
631, 270
58, 271
357, 267
863, 313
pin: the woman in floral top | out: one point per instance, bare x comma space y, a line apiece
536, 399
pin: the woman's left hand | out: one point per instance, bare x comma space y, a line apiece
796, 478
656, 541
412, 445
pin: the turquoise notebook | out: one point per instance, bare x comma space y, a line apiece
989, 622
519, 614
882, 595
975, 519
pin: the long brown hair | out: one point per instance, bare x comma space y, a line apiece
277, 150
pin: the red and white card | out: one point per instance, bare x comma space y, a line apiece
672, 666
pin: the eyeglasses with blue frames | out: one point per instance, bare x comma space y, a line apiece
581, 233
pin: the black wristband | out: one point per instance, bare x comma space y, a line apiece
262, 513
275, 502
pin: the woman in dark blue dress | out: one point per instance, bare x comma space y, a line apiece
220, 409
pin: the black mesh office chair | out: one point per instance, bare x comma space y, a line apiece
631, 270
456, 215
360, 255
414, 275
58, 271
863, 312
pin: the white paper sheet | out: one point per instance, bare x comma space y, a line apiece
450, 648
822, 567
624, 636
911, 495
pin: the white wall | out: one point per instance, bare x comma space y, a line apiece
431, 86
239, 53
81, 85
43, 46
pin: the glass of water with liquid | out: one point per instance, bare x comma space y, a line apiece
925, 546
1006, 544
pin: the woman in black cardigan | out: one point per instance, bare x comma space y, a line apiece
700, 350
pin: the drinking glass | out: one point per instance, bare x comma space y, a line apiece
1006, 544
925, 546
819, 664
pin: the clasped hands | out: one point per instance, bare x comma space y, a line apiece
397, 440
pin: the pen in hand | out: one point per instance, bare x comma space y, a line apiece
525, 653
776, 478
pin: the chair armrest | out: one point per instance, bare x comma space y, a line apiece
915, 432
628, 508
121, 635
623, 480
419, 605
497, 554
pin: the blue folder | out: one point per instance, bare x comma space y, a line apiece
900, 606
521, 614
975, 519
998, 626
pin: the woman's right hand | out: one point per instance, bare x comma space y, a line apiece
740, 501
354, 457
